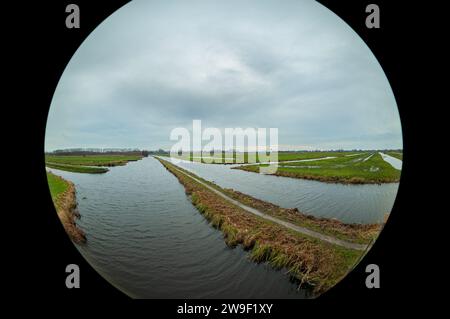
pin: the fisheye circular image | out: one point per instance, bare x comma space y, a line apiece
223, 149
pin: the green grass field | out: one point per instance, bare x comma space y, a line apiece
242, 158
57, 186
359, 169
90, 164
291, 156
92, 160
78, 168
396, 154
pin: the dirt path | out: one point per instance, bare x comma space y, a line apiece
291, 226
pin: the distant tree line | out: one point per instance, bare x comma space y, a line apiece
99, 151
145, 153
159, 152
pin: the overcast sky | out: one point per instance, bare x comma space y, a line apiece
156, 65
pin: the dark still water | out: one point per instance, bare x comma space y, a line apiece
146, 238
348, 203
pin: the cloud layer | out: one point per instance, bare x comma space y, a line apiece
156, 65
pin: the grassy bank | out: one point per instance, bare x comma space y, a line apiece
368, 168
311, 261
91, 164
77, 168
243, 158
92, 160
396, 154
64, 199
356, 233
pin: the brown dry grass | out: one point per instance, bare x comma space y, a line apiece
318, 264
358, 233
66, 208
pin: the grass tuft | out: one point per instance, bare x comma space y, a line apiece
309, 261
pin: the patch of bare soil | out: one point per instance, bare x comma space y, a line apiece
66, 207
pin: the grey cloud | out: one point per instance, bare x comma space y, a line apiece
156, 65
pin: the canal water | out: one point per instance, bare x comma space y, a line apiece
365, 204
146, 238
395, 162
